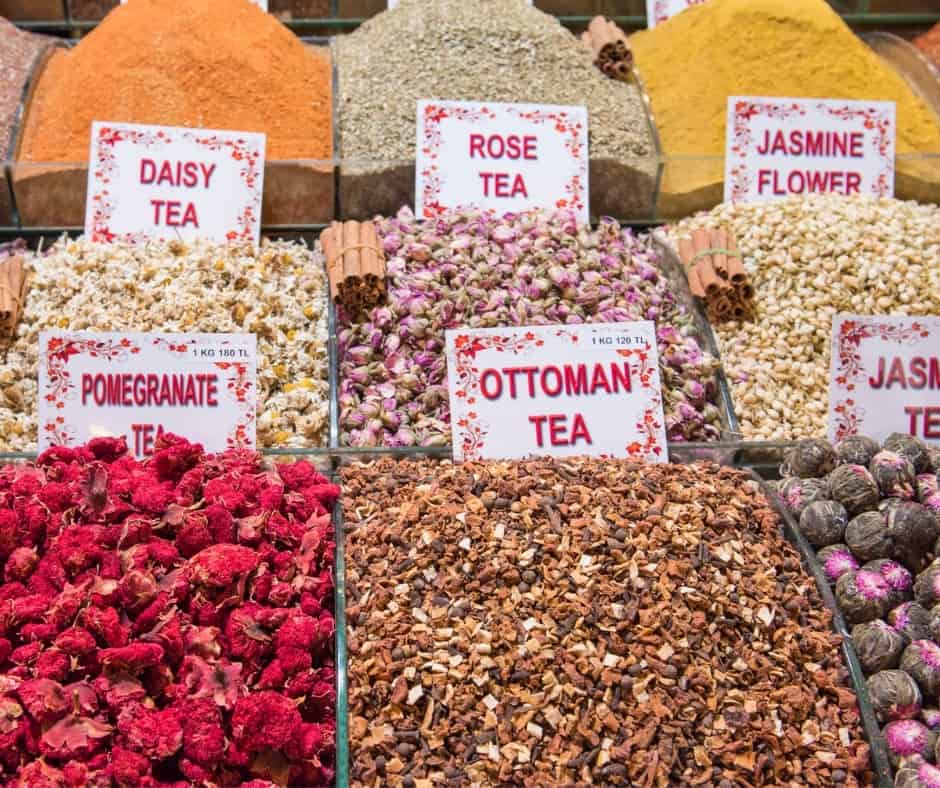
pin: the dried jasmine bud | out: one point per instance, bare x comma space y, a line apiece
906, 738
921, 660
811, 458
914, 774
823, 523
911, 447
894, 475
911, 621
836, 560
913, 529
800, 493
879, 647
868, 538
927, 585
898, 578
856, 450
894, 695
863, 596
854, 487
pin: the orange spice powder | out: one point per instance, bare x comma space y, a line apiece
217, 64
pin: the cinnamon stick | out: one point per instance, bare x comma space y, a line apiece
686, 253
701, 262
355, 265
12, 293
735, 264
718, 240
608, 44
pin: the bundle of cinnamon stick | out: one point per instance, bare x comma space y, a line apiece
716, 274
355, 264
13, 283
608, 43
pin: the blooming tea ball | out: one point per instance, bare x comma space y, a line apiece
927, 585
836, 560
927, 485
863, 596
855, 488
823, 523
894, 695
868, 538
913, 529
930, 718
911, 447
879, 647
917, 774
906, 738
898, 578
921, 661
800, 493
856, 450
811, 458
893, 474
911, 621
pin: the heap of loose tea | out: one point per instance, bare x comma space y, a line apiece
167, 622
585, 622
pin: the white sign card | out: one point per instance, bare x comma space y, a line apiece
164, 183
556, 390
658, 11
885, 377
775, 147
199, 386
501, 157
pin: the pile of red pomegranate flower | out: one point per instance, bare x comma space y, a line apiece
166, 622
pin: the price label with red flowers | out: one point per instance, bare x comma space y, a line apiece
885, 377
501, 157
556, 390
199, 386
775, 147
164, 183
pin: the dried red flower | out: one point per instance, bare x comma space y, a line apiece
186, 598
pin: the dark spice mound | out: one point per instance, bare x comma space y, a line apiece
585, 622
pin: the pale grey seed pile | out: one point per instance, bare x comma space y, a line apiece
488, 50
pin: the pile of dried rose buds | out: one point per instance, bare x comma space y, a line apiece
166, 622
482, 271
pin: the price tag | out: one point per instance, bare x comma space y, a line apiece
199, 386
885, 377
163, 183
556, 390
501, 157
780, 146
658, 11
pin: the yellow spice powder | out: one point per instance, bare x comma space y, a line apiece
800, 48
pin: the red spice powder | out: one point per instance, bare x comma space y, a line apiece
216, 64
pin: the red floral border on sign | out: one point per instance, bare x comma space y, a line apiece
59, 351
433, 180
746, 110
848, 368
662, 12
105, 169
474, 431
649, 425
